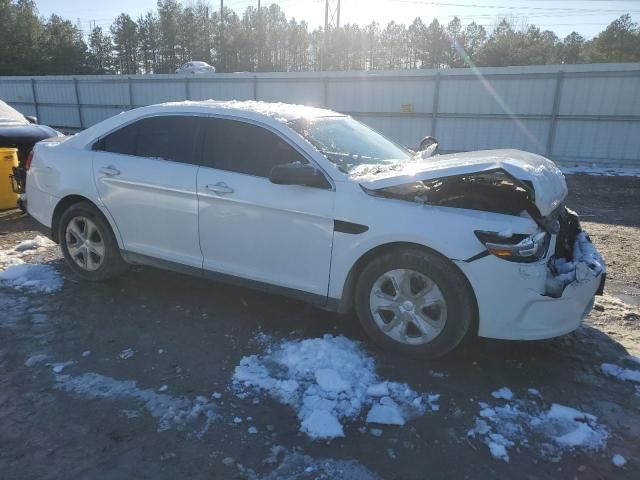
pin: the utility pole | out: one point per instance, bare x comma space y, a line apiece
259, 20
207, 30
331, 20
222, 55
331, 14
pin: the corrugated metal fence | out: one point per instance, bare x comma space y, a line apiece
575, 114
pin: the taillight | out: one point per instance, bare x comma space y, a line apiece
27, 164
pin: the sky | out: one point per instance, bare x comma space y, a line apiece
587, 17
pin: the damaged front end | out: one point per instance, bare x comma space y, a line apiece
559, 239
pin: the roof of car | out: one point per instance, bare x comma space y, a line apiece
279, 111
10, 116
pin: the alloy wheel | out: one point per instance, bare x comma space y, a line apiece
408, 306
85, 243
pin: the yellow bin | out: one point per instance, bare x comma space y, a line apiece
8, 160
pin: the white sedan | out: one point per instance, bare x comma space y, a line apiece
196, 67
312, 204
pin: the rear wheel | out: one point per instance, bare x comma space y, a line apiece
88, 243
414, 302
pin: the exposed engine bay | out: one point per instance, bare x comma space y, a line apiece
491, 191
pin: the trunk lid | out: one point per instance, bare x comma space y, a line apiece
546, 179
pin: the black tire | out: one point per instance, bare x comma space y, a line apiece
112, 263
461, 309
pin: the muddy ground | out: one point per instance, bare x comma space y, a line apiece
189, 335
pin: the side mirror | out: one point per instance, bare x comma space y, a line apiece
298, 174
31, 119
428, 146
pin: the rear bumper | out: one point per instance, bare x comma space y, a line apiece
513, 303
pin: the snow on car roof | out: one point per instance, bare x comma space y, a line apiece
283, 112
10, 116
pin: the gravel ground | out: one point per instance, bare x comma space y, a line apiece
163, 329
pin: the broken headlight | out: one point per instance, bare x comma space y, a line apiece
516, 247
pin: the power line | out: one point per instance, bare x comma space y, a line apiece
503, 7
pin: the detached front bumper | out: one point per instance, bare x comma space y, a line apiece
518, 301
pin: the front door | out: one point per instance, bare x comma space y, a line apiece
254, 229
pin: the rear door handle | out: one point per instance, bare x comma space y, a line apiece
219, 187
110, 171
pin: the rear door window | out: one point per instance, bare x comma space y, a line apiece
121, 141
245, 148
169, 137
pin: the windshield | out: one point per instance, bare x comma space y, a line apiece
10, 117
350, 144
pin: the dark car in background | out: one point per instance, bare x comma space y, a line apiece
21, 132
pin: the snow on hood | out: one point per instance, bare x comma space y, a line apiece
546, 178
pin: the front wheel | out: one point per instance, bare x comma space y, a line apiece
415, 302
88, 243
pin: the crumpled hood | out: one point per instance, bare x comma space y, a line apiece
548, 182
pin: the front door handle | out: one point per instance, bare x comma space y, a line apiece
219, 187
110, 171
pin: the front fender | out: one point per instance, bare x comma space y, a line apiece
447, 231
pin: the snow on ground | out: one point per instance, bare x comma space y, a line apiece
620, 373
618, 460
14, 272
31, 276
602, 171
328, 381
172, 412
296, 466
526, 424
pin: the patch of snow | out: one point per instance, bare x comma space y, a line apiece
14, 256
328, 380
320, 423
296, 466
376, 432
504, 393
86, 353
171, 412
237, 420
34, 244
387, 412
282, 112
252, 430
498, 446
620, 373
126, 354
60, 366
33, 360
163, 388
524, 424
29, 276
618, 460
378, 390
602, 171
535, 392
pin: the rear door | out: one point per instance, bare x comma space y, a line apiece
146, 177
254, 229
